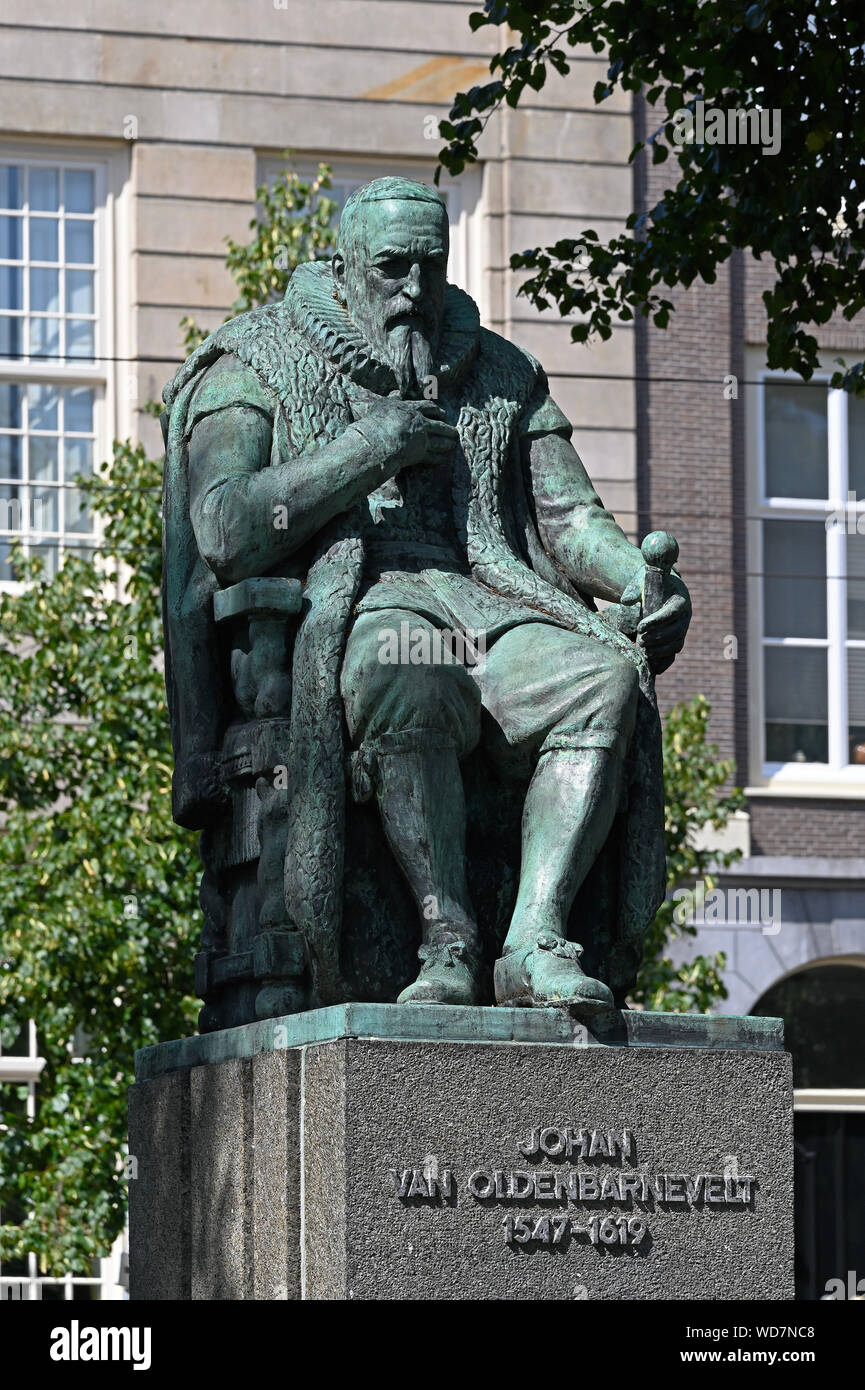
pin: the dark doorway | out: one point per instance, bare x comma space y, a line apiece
823, 1008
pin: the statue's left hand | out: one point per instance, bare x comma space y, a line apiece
661, 634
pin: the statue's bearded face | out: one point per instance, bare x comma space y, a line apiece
392, 278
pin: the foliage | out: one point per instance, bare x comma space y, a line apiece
694, 782
97, 885
98, 910
295, 223
800, 207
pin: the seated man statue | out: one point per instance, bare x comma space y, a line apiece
357, 462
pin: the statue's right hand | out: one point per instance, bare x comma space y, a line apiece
404, 433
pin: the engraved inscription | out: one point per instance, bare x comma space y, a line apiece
574, 1176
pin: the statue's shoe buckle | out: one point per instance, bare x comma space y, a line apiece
449, 974
548, 974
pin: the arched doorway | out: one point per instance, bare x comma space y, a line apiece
823, 1008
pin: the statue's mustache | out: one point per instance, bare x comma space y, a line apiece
405, 308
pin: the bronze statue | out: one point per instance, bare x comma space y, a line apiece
382, 556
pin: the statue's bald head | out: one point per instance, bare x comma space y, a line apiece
355, 214
390, 270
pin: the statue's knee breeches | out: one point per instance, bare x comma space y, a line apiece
543, 686
383, 697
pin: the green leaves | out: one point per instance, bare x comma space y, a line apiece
296, 222
694, 782
99, 916
97, 887
799, 59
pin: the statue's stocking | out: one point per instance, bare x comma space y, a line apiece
420, 796
568, 813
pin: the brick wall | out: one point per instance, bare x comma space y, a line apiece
688, 485
691, 454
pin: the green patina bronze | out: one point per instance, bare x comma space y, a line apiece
424, 766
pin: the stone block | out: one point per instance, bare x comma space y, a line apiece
409, 1152
159, 1182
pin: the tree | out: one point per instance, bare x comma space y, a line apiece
296, 222
98, 889
97, 885
801, 59
694, 782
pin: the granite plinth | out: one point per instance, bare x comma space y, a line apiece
416, 1152
432, 1023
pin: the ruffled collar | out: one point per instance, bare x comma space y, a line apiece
316, 313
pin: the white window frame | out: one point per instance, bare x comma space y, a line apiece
466, 263
836, 777
111, 293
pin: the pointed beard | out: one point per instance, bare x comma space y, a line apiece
410, 355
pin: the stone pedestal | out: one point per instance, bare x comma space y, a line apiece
418, 1152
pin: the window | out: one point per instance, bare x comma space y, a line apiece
51, 385
811, 568
462, 197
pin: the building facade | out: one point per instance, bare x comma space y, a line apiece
132, 142
762, 479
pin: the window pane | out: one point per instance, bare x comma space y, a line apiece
44, 238
10, 456
42, 402
856, 446
79, 337
11, 186
78, 410
794, 583
45, 337
11, 238
44, 189
77, 457
10, 406
796, 441
79, 292
45, 509
78, 190
79, 242
10, 336
856, 704
82, 549
51, 1293
43, 459
855, 585
11, 287
11, 507
45, 291
78, 516
796, 705
48, 555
